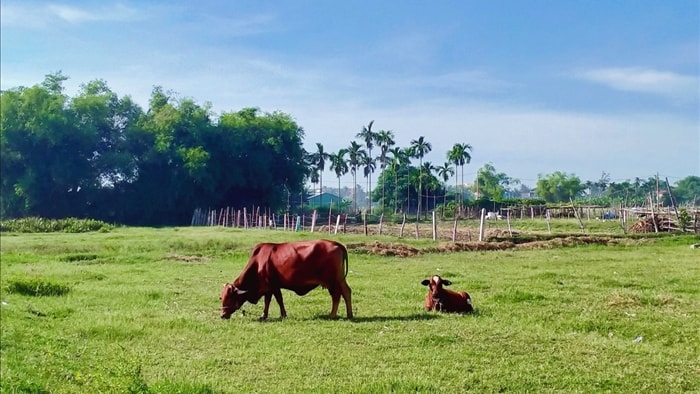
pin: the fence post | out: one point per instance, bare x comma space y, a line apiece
481, 224
510, 231
454, 228
434, 227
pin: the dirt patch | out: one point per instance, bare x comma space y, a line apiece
493, 243
185, 258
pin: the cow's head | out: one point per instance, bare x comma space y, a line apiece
232, 299
435, 284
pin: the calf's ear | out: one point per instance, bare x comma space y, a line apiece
446, 282
425, 282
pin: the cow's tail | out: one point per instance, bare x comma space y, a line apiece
345, 258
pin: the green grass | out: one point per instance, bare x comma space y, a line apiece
137, 310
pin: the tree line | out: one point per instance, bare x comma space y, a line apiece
97, 155
101, 156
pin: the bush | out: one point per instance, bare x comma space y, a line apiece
37, 288
41, 225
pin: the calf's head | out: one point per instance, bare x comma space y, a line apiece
435, 284
232, 299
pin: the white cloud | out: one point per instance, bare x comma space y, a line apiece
33, 16
72, 14
644, 80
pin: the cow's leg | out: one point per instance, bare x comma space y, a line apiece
266, 309
280, 302
335, 298
347, 295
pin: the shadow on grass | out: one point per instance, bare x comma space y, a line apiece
411, 317
371, 319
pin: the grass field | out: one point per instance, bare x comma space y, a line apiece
137, 310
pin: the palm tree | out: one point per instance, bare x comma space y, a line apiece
368, 168
355, 155
318, 160
445, 171
339, 166
459, 155
426, 172
399, 158
369, 137
419, 148
385, 139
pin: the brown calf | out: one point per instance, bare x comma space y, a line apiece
443, 300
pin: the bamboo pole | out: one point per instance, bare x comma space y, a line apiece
580, 222
653, 215
673, 203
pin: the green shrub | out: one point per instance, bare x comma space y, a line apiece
41, 225
37, 288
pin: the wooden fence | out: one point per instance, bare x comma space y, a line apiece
643, 220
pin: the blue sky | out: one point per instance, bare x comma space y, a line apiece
582, 87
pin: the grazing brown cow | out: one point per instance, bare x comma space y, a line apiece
297, 266
443, 300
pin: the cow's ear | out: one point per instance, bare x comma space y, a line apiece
446, 282
425, 282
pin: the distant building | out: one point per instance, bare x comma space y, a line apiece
322, 200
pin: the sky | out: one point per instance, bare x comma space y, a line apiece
582, 87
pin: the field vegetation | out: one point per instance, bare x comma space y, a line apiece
136, 310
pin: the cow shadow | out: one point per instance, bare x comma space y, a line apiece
371, 319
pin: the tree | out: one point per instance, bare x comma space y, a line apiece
368, 166
492, 184
385, 139
687, 190
399, 159
355, 156
369, 137
427, 179
459, 155
558, 187
445, 171
318, 161
45, 154
339, 166
419, 148
262, 156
